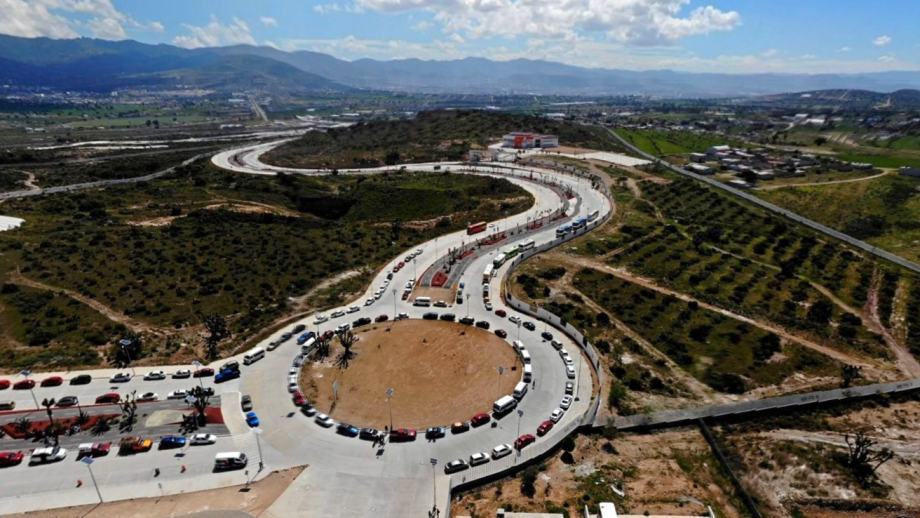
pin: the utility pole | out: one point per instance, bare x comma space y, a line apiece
390, 393
394, 303
434, 486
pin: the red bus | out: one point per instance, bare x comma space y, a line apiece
476, 228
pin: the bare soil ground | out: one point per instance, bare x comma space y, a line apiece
236, 499
441, 372
661, 473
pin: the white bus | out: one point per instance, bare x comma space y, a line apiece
527, 245
518, 345
308, 344
525, 356
563, 230
519, 390
253, 355
499, 260
593, 216
487, 274
230, 460
528, 373
504, 404
422, 301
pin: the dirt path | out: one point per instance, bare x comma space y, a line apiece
819, 184
116, 316
30, 181
773, 328
907, 448
906, 361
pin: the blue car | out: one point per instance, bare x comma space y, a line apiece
172, 441
252, 419
302, 339
226, 375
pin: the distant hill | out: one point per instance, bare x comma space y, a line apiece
100, 64
842, 98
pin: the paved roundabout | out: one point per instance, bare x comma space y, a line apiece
348, 476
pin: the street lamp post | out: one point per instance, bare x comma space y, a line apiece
467, 304
520, 414
501, 371
258, 432
390, 393
394, 303
434, 487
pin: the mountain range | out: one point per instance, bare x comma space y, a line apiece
100, 65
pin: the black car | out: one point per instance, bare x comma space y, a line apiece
449, 317
347, 430
455, 466
298, 329
285, 337
67, 401
529, 326
546, 335
430, 316
363, 321
467, 320
370, 434
82, 379
435, 432
308, 410
482, 324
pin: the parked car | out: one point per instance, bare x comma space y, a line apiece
252, 419
133, 444
319, 320
5, 384
402, 435
479, 458
147, 397
347, 430
363, 321
201, 439
94, 449
501, 450
155, 376
557, 345
203, 372
482, 324
308, 410
440, 304
370, 434
480, 419
354, 309
546, 335
24, 385
172, 441
566, 402
430, 316
570, 372
177, 394
182, 374
556, 415
81, 379
455, 466
246, 402
467, 320
529, 326
402, 316
226, 375
544, 427
297, 329
120, 377
230, 365
382, 318
46, 455
523, 441
501, 333
459, 427
435, 432
7, 405
66, 401
108, 399
501, 313
324, 420
10, 458
297, 398
337, 314
488, 305
514, 319
569, 387
448, 317
53, 381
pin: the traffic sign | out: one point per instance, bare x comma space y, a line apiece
390, 392
434, 462
87, 460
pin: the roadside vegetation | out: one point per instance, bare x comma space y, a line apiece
666, 143
162, 256
430, 136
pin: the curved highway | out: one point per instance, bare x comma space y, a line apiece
348, 476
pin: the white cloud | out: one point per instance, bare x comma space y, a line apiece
268, 21
642, 22
336, 7
769, 53
64, 18
882, 40
422, 26
215, 34
886, 59
156, 27
844, 49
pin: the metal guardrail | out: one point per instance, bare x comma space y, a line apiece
814, 225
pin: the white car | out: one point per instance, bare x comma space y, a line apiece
177, 394
402, 316
342, 328
147, 397
200, 439
337, 314
563, 352
120, 377
324, 420
368, 302
568, 360
556, 415
354, 309
182, 374
294, 371
378, 295
570, 372
418, 251
566, 402
501, 450
569, 387
320, 319
479, 458
409, 284
514, 320
155, 375
45, 455
488, 306
557, 345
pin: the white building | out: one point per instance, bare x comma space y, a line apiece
525, 140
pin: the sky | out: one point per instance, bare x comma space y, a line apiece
737, 36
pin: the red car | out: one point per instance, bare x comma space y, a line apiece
24, 385
53, 381
94, 449
328, 335
203, 372
521, 442
544, 427
480, 419
501, 313
5, 384
110, 398
10, 458
298, 398
402, 435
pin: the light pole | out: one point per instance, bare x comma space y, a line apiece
434, 487
89, 461
258, 432
25, 374
501, 370
520, 414
394, 303
467, 304
390, 393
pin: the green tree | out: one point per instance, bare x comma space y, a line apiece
217, 331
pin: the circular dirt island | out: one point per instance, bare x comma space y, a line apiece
441, 372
